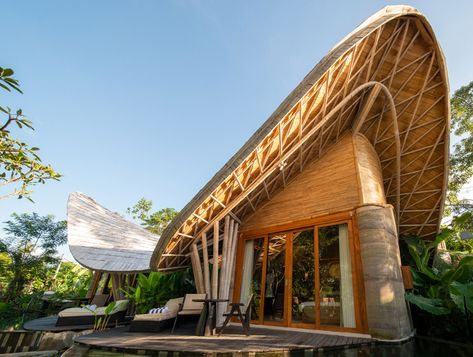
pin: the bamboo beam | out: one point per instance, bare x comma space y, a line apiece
198, 268
215, 261
205, 255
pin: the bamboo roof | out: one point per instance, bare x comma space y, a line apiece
102, 240
387, 80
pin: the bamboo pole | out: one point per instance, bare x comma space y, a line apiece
231, 271
198, 268
222, 306
215, 261
205, 254
94, 283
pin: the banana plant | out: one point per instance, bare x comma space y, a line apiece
439, 290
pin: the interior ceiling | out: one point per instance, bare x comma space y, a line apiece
403, 56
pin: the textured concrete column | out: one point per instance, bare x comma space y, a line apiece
384, 290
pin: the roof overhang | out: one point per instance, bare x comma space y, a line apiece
386, 80
102, 240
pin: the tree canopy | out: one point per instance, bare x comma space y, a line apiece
30, 248
461, 160
20, 165
154, 222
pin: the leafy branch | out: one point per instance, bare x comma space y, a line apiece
20, 165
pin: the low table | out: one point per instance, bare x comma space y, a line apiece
208, 318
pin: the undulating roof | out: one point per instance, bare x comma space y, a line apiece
387, 80
102, 240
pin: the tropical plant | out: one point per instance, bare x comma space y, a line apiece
101, 321
439, 290
31, 246
70, 280
20, 165
154, 222
442, 294
155, 289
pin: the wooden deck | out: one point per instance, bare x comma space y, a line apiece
49, 324
262, 340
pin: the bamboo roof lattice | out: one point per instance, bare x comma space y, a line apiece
102, 240
387, 80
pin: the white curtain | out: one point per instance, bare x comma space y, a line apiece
247, 275
346, 284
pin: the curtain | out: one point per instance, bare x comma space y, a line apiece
247, 275
346, 284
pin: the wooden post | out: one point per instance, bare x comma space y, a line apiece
94, 283
215, 260
205, 254
198, 269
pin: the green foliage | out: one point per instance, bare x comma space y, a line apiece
71, 281
31, 245
20, 165
156, 289
461, 160
154, 222
440, 291
458, 225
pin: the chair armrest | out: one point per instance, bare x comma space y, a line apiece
236, 304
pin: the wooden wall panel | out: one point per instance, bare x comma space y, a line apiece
326, 185
369, 171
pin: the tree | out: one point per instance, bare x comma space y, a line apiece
31, 244
154, 222
461, 160
20, 165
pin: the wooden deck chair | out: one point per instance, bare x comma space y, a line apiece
244, 317
189, 307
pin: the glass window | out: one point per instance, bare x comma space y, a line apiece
274, 292
251, 276
303, 277
336, 286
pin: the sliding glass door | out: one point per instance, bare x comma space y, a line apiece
301, 278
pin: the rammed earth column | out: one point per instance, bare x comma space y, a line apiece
386, 308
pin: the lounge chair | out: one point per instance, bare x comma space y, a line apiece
76, 316
158, 321
236, 311
189, 307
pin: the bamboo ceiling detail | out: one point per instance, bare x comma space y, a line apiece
407, 122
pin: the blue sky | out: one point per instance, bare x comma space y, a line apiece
147, 98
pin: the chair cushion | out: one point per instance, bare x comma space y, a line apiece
155, 317
80, 311
173, 304
190, 312
190, 304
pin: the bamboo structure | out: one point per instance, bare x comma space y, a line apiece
363, 139
362, 142
386, 80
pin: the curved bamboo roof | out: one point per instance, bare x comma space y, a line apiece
387, 80
102, 240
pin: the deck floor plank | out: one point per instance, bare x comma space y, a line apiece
261, 340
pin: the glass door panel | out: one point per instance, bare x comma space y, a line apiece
274, 293
303, 278
251, 275
335, 277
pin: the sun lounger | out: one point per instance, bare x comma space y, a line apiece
157, 321
76, 316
